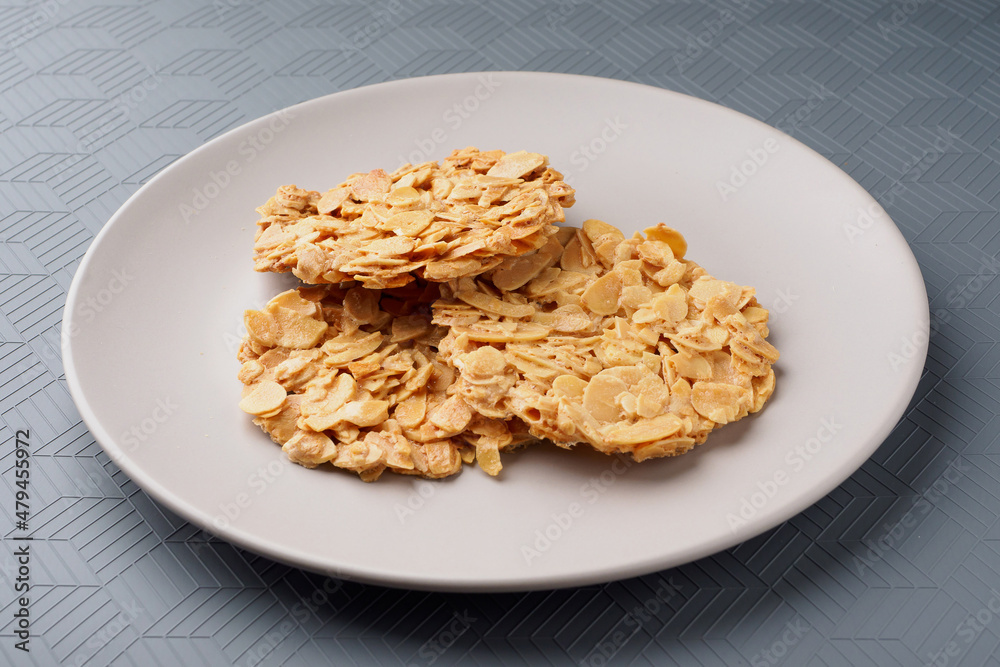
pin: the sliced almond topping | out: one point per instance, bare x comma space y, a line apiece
488, 456
332, 200
602, 296
717, 401
671, 237
599, 397
452, 416
372, 186
296, 331
403, 196
408, 223
569, 386
491, 304
365, 412
310, 449
487, 361
261, 327
362, 305
578, 336
516, 165
650, 430
264, 397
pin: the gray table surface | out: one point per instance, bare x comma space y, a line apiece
898, 566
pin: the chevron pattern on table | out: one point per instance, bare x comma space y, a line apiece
898, 566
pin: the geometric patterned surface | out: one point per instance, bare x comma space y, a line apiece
898, 566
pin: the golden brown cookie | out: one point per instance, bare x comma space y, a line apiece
436, 222
619, 343
351, 376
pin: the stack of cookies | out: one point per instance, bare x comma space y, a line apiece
447, 316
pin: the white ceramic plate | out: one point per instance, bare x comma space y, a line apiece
153, 319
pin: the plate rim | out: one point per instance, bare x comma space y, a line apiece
523, 582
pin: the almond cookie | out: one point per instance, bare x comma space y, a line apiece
436, 222
619, 343
351, 377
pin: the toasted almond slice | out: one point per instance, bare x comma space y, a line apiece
408, 223
491, 304
442, 270
598, 230
293, 301
515, 272
411, 412
487, 361
650, 430
310, 449
365, 412
265, 397
261, 327
569, 386
667, 447
525, 332
602, 296
296, 331
488, 456
362, 304
332, 200
722, 403
403, 196
517, 165
671, 237
694, 367
391, 246
372, 186
599, 397
452, 416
